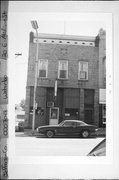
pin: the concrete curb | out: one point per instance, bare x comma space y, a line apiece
30, 133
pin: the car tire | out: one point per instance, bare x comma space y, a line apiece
49, 134
85, 133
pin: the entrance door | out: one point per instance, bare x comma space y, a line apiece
89, 116
54, 116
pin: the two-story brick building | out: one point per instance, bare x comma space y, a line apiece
68, 81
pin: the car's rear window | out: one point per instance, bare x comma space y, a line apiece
80, 123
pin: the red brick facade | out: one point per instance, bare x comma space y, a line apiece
76, 98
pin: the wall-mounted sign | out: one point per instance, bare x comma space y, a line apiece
102, 96
50, 104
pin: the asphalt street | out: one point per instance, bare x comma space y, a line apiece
40, 146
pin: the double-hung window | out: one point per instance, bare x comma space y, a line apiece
63, 69
43, 68
83, 70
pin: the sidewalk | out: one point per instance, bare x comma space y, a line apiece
29, 132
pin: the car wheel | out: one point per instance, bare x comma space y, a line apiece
85, 133
49, 134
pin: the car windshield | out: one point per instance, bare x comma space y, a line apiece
61, 124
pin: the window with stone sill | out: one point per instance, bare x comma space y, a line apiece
83, 71
43, 68
63, 69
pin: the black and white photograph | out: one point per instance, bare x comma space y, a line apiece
60, 107
63, 78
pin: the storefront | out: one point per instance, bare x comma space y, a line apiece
69, 103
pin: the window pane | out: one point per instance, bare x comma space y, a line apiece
68, 124
83, 75
43, 68
62, 74
63, 65
85, 66
43, 64
42, 73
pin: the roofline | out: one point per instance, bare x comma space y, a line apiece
65, 37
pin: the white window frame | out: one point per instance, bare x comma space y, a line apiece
39, 68
60, 61
83, 70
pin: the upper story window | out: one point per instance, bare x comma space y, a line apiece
43, 68
63, 69
83, 70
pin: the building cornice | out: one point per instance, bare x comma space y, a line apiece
65, 37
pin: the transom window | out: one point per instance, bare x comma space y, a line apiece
63, 69
83, 70
43, 68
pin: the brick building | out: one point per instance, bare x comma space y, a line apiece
70, 75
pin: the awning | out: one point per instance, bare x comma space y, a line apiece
102, 96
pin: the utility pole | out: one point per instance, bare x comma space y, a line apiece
35, 26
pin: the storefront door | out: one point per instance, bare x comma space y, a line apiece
54, 116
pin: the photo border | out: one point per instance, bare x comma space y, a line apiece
47, 162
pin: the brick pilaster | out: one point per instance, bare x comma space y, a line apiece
96, 107
27, 106
82, 104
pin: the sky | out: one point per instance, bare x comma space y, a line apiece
19, 26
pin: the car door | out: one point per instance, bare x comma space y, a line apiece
68, 127
79, 127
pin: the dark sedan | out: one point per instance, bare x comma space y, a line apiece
68, 127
